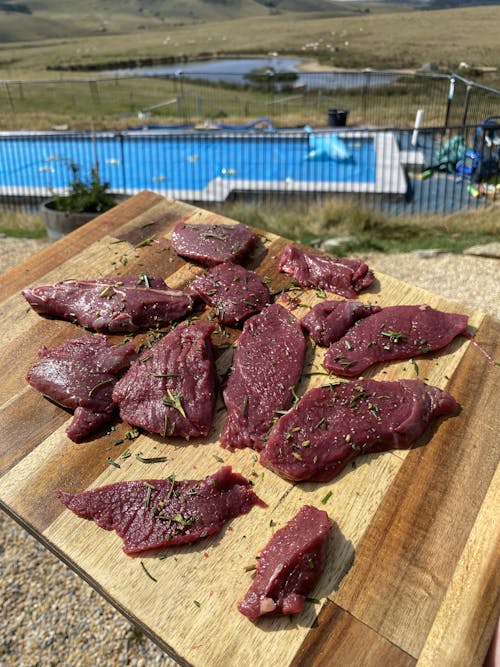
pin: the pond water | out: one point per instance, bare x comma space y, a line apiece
233, 70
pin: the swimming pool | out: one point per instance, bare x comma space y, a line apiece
199, 166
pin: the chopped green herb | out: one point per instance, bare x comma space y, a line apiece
148, 574
197, 603
113, 463
152, 459
147, 241
174, 401
149, 488
164, 375
218, 459
178, 518
415, 365
99, 384
326, 498
393, 336
105, 291
171, 479
213, 235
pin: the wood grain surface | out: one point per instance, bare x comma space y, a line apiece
412, 571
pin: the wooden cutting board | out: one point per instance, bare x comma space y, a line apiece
412, 571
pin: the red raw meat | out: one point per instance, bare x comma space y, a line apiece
342, 276
153, 513
111, 305
328, 321
266, 367
332, 425
234, 292
171, 388
80, 375
212, 244
289, 566
395, 332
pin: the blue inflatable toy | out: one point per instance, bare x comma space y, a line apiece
326, 146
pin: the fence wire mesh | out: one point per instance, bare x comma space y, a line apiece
408, 143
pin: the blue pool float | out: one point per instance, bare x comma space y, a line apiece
328, 146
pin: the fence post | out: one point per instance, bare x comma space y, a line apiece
9, 96
466, 105
364, 98
451, 92
122, 160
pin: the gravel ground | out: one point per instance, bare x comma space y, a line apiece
51, 617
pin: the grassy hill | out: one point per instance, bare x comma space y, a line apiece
99, 34
44, 19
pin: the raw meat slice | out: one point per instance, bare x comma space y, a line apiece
234, 292
289, 566
330, 320
267, 365
153, 513
340, 275
332, 425
171, 388
111, 305
212, 244
80, 375
395, 332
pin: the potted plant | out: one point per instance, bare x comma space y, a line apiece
84, 200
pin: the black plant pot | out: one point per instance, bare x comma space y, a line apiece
60, 223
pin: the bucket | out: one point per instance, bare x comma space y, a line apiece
337, 117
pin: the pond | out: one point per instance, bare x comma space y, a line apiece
233, 70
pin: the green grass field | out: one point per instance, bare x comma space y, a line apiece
397, 39
363, 230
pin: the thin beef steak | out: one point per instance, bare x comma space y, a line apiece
342, 276
212, 244
153, 513
171, 388
111, 305
289, 566
332, 425
266, 367
80, 375
395, 332
328, 321
234, 292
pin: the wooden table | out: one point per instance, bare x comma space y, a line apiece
412, 573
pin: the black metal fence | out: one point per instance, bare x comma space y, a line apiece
371, 99
419, 143
400, 171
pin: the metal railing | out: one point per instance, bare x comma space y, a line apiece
400, 171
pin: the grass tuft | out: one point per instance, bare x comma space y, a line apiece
361, 230
22, 225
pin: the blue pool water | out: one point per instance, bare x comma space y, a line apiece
174, 161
